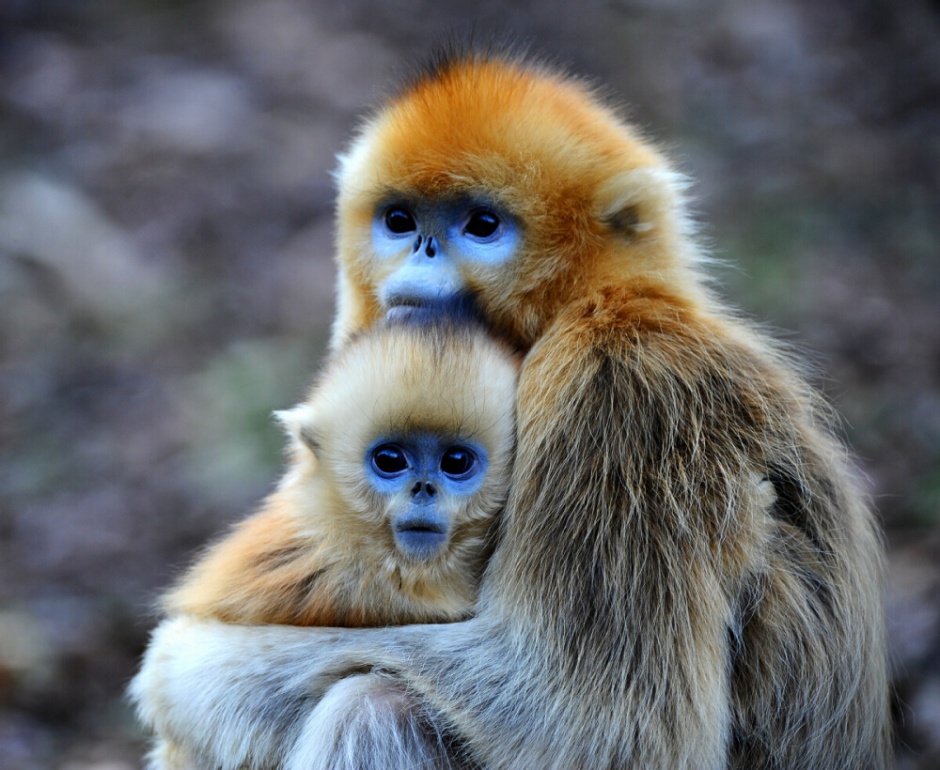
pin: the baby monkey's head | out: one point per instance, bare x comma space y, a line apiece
411, 429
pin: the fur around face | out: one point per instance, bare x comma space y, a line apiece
649, 605
580, 183
321, 550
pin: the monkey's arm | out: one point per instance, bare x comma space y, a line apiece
262, 572
603, 620
233, 694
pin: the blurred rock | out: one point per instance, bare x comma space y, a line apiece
189, 110
926, 709
913, 609
57, 227
26, 659
290, 46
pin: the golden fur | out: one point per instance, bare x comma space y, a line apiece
320, 551
645, 607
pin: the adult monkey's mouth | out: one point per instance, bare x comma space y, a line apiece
458, 308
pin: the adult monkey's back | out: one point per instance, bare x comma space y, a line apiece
687, 575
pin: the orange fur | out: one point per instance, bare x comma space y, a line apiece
584, 187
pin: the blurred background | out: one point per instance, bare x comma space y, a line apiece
166, 281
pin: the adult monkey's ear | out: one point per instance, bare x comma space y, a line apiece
637, 201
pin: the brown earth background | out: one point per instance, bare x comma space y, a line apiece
165, 278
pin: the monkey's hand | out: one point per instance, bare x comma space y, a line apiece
236, 696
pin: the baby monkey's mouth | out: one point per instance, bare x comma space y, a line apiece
408, 309
421, 538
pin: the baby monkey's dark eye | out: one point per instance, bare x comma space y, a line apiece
389, 459
399, 221
482, 224
457, 461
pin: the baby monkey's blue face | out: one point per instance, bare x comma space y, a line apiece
427, 478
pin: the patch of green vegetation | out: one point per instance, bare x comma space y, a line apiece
236, 447
762, 261
925, 498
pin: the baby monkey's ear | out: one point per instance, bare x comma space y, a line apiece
300, 425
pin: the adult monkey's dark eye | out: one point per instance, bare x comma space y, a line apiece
482, 224
457, 461
389, 459
399, 220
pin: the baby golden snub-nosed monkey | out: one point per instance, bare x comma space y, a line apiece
400, 460
688, 576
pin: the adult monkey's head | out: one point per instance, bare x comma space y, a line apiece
508, 183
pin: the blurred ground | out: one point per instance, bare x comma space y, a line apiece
165, 278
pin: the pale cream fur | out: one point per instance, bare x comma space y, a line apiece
321, 550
